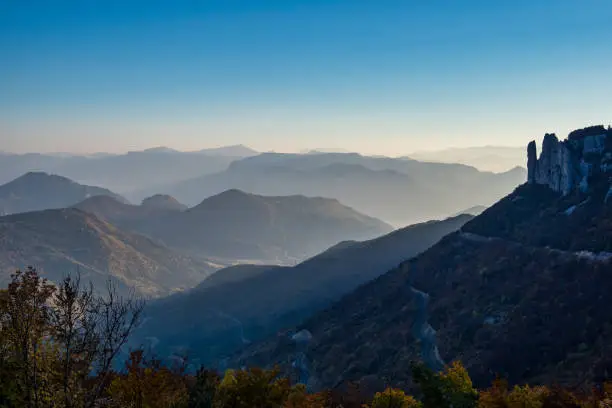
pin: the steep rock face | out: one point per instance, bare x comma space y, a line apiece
532, 161
568, 165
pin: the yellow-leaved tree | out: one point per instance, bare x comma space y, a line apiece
393, 398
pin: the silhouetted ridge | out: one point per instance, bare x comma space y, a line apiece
589, 131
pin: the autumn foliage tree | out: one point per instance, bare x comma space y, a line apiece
24, 316
59, 343
393, 398
146, 383
54, 337
451, 388
252, 388
203, 388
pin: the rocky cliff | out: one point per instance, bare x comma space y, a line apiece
570, 165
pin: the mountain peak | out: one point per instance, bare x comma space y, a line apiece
572, 164
163, 201
41, 175
36, 191
229, 199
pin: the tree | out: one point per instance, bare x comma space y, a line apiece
9, 394
74, 322
116, 317
24, 316
450, 388
392, 398
202, 391
299, 398
148, 384
52, 339
252, 388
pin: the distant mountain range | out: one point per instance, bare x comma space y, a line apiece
486, 158
245, 303
521, 291
105, 236
58, 242
125, 172
41, 191
398, 191
238, 226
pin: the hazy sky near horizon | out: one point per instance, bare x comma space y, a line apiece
374, 76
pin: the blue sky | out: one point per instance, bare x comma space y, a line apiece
376, 76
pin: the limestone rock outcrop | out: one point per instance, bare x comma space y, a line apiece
566, 166
532, 161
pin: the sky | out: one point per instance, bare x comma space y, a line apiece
374, 76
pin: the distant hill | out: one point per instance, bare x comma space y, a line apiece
163, 202
398, 191
41, 191
486, 158
127, 216
533, 267
127, 172
237, 225
230, 151
64, 241
251, 302
234, 274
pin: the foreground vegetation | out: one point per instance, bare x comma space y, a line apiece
59, 345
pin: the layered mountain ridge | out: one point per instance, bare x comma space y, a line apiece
531, 268
125, 172
237, 226
67, 241
398, 191
251, 302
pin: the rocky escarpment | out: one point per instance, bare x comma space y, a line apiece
569, 165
